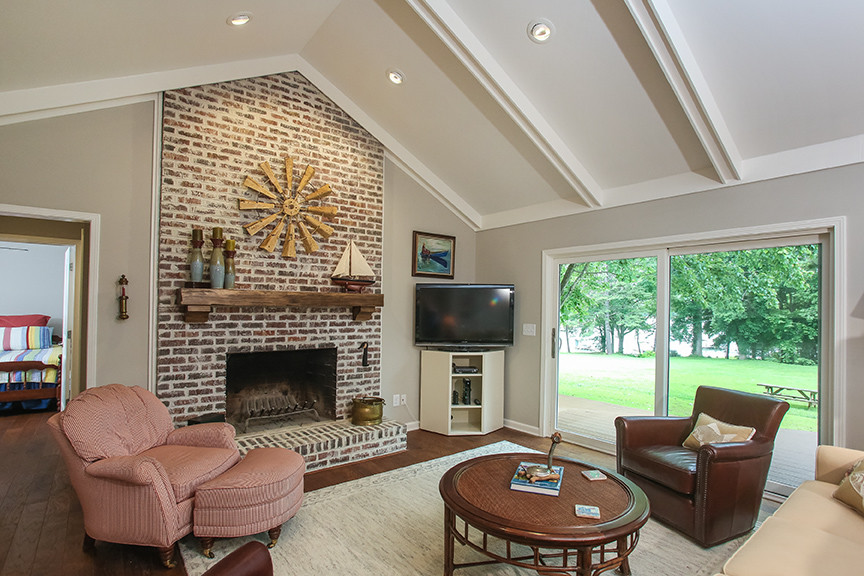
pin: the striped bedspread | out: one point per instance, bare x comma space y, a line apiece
49, 356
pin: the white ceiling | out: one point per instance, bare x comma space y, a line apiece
630, 100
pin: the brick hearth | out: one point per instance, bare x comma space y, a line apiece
331, 443
213, 137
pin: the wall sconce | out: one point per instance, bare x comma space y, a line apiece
123, 299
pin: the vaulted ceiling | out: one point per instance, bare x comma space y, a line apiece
629, 100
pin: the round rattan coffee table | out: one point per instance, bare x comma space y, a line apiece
483, 513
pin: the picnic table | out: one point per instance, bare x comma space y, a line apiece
792, 393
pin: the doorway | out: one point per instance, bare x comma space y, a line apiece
16, 229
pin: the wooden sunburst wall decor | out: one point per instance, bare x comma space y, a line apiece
290, 210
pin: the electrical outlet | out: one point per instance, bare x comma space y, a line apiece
395, 399
403, 399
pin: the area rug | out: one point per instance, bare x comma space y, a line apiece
392, 524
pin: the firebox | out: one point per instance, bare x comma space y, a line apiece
280, 387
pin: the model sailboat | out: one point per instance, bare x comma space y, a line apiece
353, 272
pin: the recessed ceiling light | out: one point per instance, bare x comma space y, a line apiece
240, 19
540, 31
395, 76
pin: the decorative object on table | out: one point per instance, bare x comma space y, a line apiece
433, 255
123, 299
230, 271
352, 272
544, 470
584, 511
196, 259
466, 391
548, 483
455, 397
289, 210
217, 261
594, 475
367, 410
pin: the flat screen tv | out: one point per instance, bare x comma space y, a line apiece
463, 315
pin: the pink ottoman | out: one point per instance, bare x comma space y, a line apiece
259, 493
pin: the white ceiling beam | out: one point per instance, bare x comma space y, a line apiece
666, 40
450, 28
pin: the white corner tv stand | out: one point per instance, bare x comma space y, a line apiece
444, 407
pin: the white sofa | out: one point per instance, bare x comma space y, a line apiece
811, 534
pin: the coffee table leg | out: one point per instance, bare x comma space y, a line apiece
586, 558
622, 549
449, 541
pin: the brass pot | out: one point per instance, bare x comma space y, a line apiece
368, 410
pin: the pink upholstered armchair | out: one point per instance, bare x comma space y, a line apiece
134, 474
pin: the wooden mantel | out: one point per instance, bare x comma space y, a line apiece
197, 303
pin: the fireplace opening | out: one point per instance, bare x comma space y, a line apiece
279, 388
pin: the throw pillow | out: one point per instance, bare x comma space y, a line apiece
709, 430
26, 337
24, 320
851, 489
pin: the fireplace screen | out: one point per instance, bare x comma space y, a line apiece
278, 386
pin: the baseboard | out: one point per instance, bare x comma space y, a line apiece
520, 427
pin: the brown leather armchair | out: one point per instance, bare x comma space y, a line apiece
251, 559
711, 494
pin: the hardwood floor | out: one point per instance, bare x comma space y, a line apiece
41, 524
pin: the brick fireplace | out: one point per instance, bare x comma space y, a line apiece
268, 388
214, 136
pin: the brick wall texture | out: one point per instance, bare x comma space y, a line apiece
213, 137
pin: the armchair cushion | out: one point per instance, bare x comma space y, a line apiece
187, 467
671, 466
109, 421
708, 430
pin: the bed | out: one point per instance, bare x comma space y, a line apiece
30, 362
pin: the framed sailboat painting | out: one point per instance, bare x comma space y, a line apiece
433, 255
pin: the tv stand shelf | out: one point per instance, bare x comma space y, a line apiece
441, 382
197, 303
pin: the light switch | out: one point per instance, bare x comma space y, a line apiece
529, 329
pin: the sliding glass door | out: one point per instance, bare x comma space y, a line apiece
637, 333
605, 345
749, 320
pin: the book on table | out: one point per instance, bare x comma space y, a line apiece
538, 483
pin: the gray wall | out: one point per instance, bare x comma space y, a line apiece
409, 207
96, 162
513, 254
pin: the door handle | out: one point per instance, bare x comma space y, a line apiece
554, 342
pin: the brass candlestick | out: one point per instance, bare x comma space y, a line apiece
123, 299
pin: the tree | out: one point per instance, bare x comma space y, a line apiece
763, 300
608, 299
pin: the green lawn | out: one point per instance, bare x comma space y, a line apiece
629, 381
